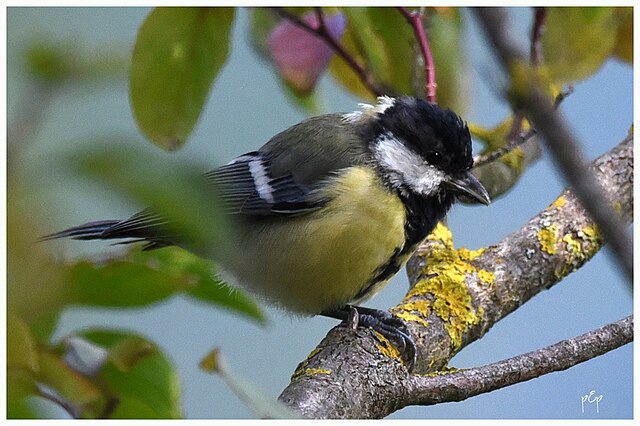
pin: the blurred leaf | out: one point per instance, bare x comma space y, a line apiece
142, 278
200, 280
262, 405
344, 74
22, 365
119, 284
79, 392
577, 41
20, 384
178, 53
21, 346
60, 61
445, 39
386, 40
262, 21
127, 352
148, 387
177, 192
624, 38
502, 174
299, 56
35, 284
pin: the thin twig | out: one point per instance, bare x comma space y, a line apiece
565, 148
415, 20
323, 33
460, 385
520, 138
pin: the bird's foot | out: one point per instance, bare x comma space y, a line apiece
392, 328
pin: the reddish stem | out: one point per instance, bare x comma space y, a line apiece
536, 34
415, 20
323, 33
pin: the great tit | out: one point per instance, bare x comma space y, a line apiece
327, 211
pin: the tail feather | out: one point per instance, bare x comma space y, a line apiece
88, 231
142, 227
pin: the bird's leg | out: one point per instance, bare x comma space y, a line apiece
383, 322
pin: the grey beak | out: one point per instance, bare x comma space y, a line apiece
470, 186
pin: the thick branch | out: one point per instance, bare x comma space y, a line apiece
457, 296
463, 384
560, 140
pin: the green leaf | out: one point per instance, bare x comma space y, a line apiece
148, 387
344, 74
201, 283
624, 38
577, 41
21, 346
387, 41
119, 284
177, 192
177, 55
61, 61
445, 40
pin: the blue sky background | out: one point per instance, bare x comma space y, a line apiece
246, 107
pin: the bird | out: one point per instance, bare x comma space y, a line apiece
328, 211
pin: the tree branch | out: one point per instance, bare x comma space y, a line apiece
463, 384
456, 297
560, 140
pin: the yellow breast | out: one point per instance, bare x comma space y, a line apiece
322, 260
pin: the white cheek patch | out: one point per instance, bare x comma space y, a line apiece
261, 180
407, 168
366, 110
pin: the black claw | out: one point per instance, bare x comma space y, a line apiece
392, 328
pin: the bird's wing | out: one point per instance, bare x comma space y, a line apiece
284, 176
246, 186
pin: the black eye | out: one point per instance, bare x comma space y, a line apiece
433, 157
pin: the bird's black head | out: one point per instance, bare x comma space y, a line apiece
422, 150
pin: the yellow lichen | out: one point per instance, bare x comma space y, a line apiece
447, 269
413, 311
466, 254
386, 348
580, 248
486, 276
300, 372
559, 202
442, 372
316, 371
548, 238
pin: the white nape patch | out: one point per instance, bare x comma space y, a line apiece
366, 110
405, 167
261, 180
